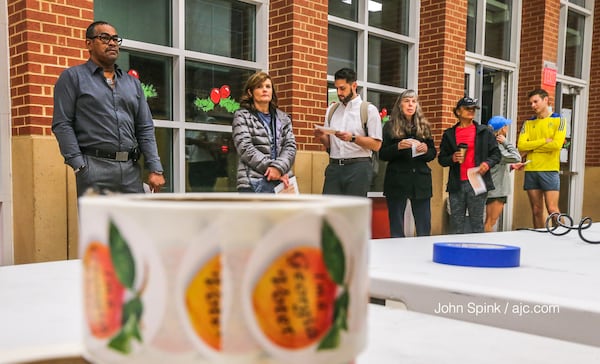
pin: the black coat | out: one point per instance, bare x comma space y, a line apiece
486, 150
406, 176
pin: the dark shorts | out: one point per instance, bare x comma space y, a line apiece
545, 181
502, 199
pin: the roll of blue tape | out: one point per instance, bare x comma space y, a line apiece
477, 254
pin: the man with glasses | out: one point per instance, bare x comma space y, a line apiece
102, 121
467, 146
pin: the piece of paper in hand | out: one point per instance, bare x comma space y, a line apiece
476, 180
291, 189
326, 130
415, 143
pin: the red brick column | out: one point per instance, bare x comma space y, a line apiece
298, 64
539, 43
593, 124
442, 60
45, 37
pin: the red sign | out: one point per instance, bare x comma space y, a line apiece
549, 76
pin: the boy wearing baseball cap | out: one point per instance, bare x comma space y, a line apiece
500, 172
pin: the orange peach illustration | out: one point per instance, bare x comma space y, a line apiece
104, 292
294, 299
203, 302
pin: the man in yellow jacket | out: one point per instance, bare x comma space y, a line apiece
542, 137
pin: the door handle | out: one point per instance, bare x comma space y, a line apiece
569, 173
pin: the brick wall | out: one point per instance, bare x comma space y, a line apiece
539, 43
442, 60
298, 64
45, 38
593, 123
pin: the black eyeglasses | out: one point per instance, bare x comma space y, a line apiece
106, 38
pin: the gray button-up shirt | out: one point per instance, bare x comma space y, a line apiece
88, 113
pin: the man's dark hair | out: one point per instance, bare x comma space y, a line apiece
540, 92
91, 29
347, 74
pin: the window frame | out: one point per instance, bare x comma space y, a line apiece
364, 30
179, 55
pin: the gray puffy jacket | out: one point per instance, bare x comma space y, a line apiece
251, 140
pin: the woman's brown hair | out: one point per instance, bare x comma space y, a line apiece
253, 82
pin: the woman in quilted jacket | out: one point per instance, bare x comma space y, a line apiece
263, 138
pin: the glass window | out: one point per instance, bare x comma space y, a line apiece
497, 28
388, 62
471, 25
578, 2
347, 9
221, 27
211, 161
383, 100
574, 45
142, 20
342, 51
212, 92
154, 73
391, 15
164, 142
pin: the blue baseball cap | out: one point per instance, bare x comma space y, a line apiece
497, 122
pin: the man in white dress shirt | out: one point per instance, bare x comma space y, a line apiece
350, 170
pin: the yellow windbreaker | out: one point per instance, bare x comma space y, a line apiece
545, 157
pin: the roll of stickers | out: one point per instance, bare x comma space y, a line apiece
224, 278
477, 254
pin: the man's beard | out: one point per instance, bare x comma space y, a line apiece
347, 99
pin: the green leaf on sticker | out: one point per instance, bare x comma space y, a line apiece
133, 307
122, 341
340, 311
333, 253
121, 257
331, 339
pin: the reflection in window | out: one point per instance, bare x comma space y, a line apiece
388, 62
221, 27
497, 28
578, 2
155, 75
471, 25
212, 92
346, 9
382, 100
391, 15
341, 48
574, 45
211, 161
142, 20
164, 142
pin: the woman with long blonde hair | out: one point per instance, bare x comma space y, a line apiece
408, 146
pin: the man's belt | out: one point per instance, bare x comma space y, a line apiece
342, 162
133, 154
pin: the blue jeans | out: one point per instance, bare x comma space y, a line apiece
421, 209
462, 201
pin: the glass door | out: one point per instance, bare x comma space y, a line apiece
567, 104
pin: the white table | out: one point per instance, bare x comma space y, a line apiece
40, 319
405, 337
40, 311
556, 274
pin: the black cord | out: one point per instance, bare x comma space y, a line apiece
557, 220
